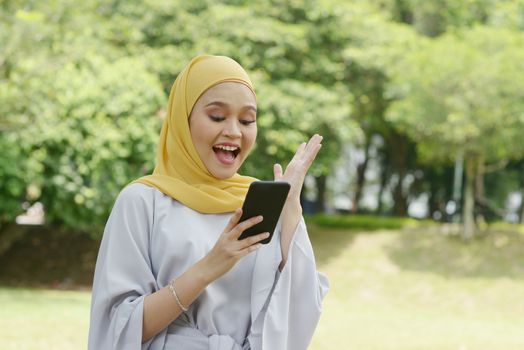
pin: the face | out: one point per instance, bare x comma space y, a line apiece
223, 127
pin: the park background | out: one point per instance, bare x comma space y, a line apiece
414, 204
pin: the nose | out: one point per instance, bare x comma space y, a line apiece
232, 128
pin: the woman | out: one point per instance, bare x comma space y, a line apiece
171, 273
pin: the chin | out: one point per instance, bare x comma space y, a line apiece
223, 175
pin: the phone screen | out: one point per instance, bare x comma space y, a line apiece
266, 198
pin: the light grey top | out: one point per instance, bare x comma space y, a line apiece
150, 239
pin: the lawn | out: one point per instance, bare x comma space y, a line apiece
421, 290
411, 289
43, 319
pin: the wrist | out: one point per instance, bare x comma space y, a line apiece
202, 273
293, 205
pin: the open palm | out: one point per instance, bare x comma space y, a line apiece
297, 169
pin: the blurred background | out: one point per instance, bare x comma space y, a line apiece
415, 203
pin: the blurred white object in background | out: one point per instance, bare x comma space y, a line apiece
34, 214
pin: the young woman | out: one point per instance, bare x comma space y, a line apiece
171, 273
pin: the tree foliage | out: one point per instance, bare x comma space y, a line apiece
86, 86
83, 87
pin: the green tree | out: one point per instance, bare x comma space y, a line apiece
97, 74
288, 50
464, 94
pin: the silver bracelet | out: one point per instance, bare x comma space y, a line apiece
172, 288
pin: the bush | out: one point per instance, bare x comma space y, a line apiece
363, 222
91, 127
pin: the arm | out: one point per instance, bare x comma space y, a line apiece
291, 215
286, 310
295, 174
123, 274
128, 308
161, 308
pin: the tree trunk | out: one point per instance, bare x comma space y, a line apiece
521, 209
361, 176
384, 177
398, 151
479, 189
471, 165
320, 201
400, 206
457, 185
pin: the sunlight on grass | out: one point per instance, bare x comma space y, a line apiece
413, 290
43, 319
390, 290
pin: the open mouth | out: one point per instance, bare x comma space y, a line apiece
226, 154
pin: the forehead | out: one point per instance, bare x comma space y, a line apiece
229, 92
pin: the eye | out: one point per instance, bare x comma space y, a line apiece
216, 118
247, 122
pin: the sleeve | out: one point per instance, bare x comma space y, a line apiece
123, 275
292, 307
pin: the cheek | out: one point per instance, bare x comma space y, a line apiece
201, 133
251, 137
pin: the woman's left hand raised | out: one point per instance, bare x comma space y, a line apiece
295, 174
298, 167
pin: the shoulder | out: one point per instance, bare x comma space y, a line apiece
134, 207
131, 219
136, 191
135, 195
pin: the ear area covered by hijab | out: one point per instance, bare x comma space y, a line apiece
179, 171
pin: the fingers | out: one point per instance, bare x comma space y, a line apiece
249, 241
277, 170
244, 225
302, 160
312, 146
300, 151
307, 152
250, 249
312, 153
313, 143
233, 221
301, 148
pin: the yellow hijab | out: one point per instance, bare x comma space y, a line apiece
179, 171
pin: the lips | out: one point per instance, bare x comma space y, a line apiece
226, 153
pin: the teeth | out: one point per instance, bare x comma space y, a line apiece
227, 148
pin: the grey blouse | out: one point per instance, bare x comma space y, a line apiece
151, 238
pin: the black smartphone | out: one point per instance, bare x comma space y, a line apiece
266, 198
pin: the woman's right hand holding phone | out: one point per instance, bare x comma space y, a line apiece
228, 250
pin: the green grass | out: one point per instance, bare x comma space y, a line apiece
401, 290
421, 290
43, 319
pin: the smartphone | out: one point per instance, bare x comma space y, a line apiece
266, 198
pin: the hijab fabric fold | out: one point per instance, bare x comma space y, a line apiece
179, 171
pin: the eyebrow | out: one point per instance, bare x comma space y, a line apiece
223, 104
